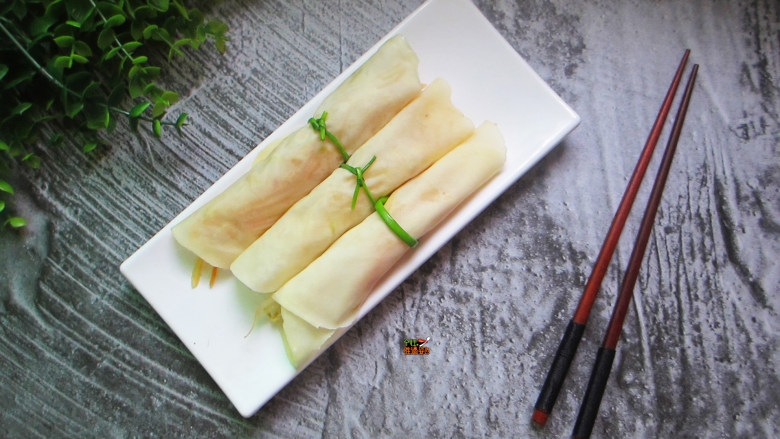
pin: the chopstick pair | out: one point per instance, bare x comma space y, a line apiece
573, 334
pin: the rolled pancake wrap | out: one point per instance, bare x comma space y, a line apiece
425, 130
302, 340
329, 292
225, 226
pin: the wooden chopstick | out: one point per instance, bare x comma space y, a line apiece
571, 338
606, 354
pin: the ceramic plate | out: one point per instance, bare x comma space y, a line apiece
489, 80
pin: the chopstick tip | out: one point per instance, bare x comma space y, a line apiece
539, 418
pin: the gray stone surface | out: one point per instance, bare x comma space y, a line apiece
83, 355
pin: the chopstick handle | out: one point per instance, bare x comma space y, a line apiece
589, 409
560, 367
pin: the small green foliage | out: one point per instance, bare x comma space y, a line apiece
157, 128
139, 109
5, 187
16, 222
32, 160
89, 146
114, 21
82, 63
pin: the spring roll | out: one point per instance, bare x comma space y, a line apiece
224, 227
302, 340
420, 134
329, 292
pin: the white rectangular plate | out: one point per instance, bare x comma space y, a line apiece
489, 80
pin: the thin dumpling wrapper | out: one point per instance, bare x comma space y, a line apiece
302, 340
330, 291
225, 226
425, 130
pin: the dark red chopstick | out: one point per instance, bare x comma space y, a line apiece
606, 354
571, 338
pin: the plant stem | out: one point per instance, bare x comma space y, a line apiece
105, 20
143, 118
35, 63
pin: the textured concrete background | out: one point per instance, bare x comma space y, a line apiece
82, 354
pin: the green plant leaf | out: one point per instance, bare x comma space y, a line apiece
132, 45
196, 16
64, 41
54, 8
114, 21
92, 91
151, 72
73, 108
170, 97
140, 59
82, 48
162, 35
216, 27
78, 81
22, 129
24, 77
21, 108
137, 28
109, 9
16, 222
57, 139
221, 45
160, 5
63, 62
5, 187
143, 12
41, 25
117, 95
90, 146
2, 206
182, 10
32, 161
4, 146
97, 116
74, 23
78, 9
105, 38
79, 59
157, 128
138, 109
135, 72
200, 33
111, 53
3, 71
136, 87
150, 31
180, 121
159, 108
182, 42
152, 91
19, 9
